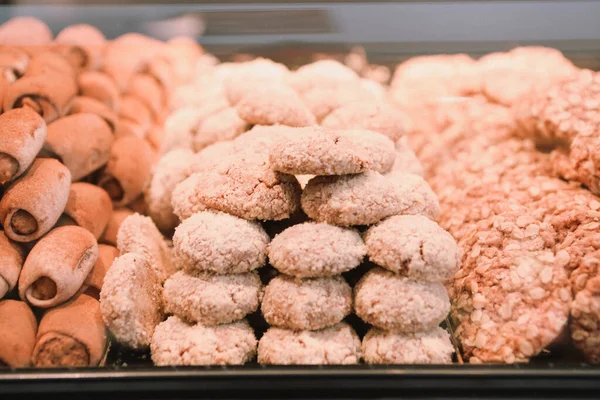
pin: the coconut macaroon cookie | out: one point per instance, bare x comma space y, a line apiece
386, 347
318, 151
372, 116
416, 195
219, 243
347, 200
130, 300
311, 250
413, 246
178, 343
336, 345
392, 302
310, 304
212, 299
243, 185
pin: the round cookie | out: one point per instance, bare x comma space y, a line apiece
219, 243
322, 73
346, 200
318, 151
406, 159
243, 185
310, 304
223, 125
386, 347
312, 250
416, 195
212, 299
413, 246
377, 117
337, 345
177, 343
388, 301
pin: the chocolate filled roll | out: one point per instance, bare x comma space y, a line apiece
128, 172
49, 94
133, 109
100, 86
147, 88
81, 141
116, 219
18, 328
87, 44
89, 207
71, 335
25, 31
84, 104
14, 59
33, 203
11, 262
23, 133
50, 61
57, 265
95, 279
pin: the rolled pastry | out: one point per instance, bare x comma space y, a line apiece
23, 133
11, 262
57, 266
116, 218
87, 41
89, 206
146, 88
134, 110
49, 62
49, 94
32, 204
128, 170
25, 31
84, 104
81, 141
95, 279
14, 59
18, 328
71, 335
99, 86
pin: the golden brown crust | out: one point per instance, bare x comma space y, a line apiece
89, 206
18, 328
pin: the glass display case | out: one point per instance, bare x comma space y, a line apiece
471, 244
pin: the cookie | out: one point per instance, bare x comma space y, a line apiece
406, 159
318, 151
323, 100
309, 304
377, 117
223, 125
177, 343
321, 73
413, 246
416, 195
337, 345
392, 302
311, 250
346, 200
219, 243
243, 185
212, 299
385, 347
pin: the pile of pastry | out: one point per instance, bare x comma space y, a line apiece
80, 128
291, 195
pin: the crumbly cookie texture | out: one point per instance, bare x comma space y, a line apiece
323, 100
416, 195
347, 200
243, 185
392, 302
212, 299
306, 304
312, 250
336, 345
371, 116
413, 246
387, 347
318, 151
223, 125
219, 243
177, 343
322, 73
130, 300
406, 160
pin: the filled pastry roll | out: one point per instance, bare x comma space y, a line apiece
128, 170
114, 223
133, 110
93, 283
31, 205
49, 94
14, 59
18, 328
81, 141
89, 207
25, 31
57, 265
87, 44
23, 133
11, 262
71, 335
100, 86
49, 62
148, 89
84, 104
